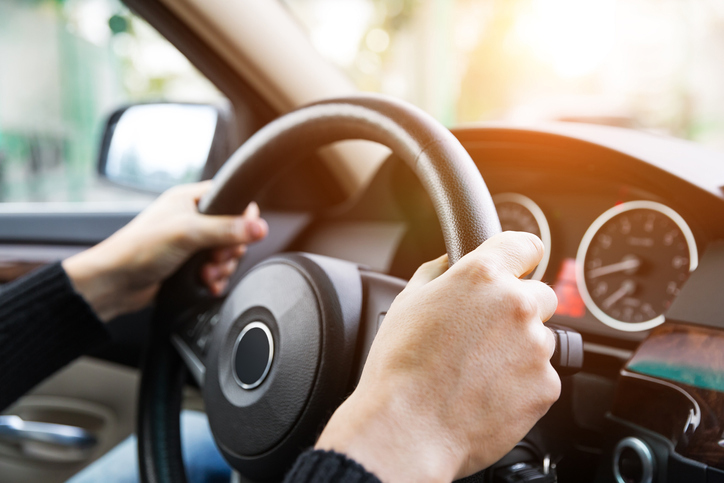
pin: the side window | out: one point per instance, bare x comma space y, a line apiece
66, 66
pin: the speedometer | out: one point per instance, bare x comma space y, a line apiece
520, 213
632, 262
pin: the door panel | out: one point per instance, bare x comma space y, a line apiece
88, 225
95, 395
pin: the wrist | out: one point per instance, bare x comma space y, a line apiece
383, 433
98, 276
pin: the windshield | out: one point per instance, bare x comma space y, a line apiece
656, 65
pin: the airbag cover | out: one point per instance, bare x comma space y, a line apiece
249, 422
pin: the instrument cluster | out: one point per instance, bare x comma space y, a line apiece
629, 265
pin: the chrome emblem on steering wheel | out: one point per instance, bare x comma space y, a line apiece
253, 355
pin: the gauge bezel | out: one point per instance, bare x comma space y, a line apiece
540, 218
588, 238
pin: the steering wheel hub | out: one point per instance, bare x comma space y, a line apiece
283, 349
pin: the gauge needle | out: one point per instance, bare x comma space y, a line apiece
627, 288
630, 264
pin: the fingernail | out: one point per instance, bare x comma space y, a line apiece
252, 210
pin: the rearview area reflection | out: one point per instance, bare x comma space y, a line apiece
156, 146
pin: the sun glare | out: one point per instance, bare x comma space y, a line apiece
339, 26
573, 36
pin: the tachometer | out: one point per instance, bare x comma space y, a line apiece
520, 213
632, 262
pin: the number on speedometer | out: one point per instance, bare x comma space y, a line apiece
632, 262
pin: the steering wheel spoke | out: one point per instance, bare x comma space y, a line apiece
192, 337
379, 292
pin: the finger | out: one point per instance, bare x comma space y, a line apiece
547, 339
221, 230
513, 252
218, 287
227, 269
239, 251
213, 272
252, 211
220, 255
192, 190
545, 298
427, 272
208, 274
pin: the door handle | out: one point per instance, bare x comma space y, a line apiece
14, 429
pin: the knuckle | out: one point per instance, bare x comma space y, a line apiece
546, 296
546, 392
552, 386
536, 243
540, 343
429, 265
482, 269
551, 299
520, 304
549, 293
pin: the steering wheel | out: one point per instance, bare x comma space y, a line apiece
282, 350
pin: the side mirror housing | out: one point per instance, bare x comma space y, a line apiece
152, 147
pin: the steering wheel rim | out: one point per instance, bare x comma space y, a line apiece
460, 197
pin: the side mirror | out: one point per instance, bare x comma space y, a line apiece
153, 147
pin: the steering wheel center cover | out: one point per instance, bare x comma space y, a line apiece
311, 306
281, 297
462, 202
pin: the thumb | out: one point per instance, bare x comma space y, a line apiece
223, 230
428, 272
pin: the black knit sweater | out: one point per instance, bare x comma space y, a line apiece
45, 324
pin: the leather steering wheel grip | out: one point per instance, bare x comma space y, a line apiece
462, 202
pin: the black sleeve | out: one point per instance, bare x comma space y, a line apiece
328, 467
44, 325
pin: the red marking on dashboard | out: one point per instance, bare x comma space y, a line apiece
570, 302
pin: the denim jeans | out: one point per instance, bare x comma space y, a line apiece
202, 459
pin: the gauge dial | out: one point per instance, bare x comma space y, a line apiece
632, 262
520, 213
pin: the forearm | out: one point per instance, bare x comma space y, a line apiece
44, 324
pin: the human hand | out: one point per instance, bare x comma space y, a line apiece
459, 371
124, 272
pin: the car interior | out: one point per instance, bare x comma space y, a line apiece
359, 190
